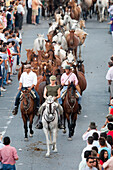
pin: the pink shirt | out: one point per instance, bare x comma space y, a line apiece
8, 155
72, 78
108, 164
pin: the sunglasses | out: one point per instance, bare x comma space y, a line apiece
91, 162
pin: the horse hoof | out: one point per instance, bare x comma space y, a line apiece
47, 155
64, 131
30, 135
70, 139
25, 139
55, 151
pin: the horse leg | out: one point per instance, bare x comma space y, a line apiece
73, 118
47, 141
25, 126
64, 130
69, 127
79, 51
54, 139
30, 125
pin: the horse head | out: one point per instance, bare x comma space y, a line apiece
71, 92
25, 98
50, 106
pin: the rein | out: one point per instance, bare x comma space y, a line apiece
26, 107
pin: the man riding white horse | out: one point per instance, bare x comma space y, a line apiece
28, 80
67, 77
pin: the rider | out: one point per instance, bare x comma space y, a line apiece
28, 80
67, 77
52, 90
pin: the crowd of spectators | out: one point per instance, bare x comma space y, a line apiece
11, 21
98, 153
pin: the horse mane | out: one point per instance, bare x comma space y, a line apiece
72, 85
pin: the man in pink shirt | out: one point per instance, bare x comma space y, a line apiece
8, 155
67, 77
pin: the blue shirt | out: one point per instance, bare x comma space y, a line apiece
107, 149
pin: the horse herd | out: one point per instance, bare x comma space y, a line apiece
49, 57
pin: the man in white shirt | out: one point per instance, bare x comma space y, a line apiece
109, 77
28, 80
88, 147
21, 12
91, 129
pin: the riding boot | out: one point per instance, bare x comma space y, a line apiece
39, 125
60, 125
15, 110
79, 108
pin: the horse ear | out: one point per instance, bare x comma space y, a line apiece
82, 61
69, 82
26, 49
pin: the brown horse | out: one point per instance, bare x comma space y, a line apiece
73, 42
81, 79
75, 10
70, 106
21, 69
80, 66
28, 111
30, 54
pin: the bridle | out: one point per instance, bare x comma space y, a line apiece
25, 95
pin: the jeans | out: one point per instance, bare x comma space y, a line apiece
29, 15
110, 24
62, 91
9, 167
38, 16
20, 21
17, 101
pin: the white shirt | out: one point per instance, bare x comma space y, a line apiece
69, 78
20, 9
96, 143
28, 80
108, 164
29, 3
87, 148
109, 75
110, 10
90, 133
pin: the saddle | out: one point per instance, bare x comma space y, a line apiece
32, 95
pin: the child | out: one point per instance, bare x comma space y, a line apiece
111, 107
111, 23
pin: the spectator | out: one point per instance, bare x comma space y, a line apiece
111, 107
1, 146
109, 77
103, 146
91, 129
109, 118
1, 61
39, 11
21, 12
29, 12
9, 18
110, 128
83, 164
108, 165
110, 10
8, 155
110, 140
103, 156
95, 139
35, 5
89, 165
88, 147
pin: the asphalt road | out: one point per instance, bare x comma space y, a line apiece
96, 54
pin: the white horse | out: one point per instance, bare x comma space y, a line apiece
61, 40
39, 43
50, 124
53, 27
102, 9
59, 52
70, 59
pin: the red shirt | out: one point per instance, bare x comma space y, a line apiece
101, 162
8, 155
110, 133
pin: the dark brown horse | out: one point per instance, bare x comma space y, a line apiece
21, 69
73, 42
80, 66
70, 106
27, 108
